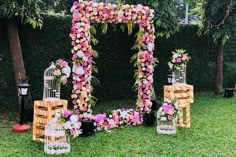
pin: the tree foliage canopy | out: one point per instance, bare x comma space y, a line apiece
219, 19
27, 10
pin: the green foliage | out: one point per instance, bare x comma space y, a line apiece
219, 19
27, 10
209, 135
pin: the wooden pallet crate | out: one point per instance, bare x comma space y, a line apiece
44, 111
183, 94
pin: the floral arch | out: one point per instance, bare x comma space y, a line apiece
87, 12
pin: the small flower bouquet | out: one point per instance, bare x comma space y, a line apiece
71, 123
178, 60
167, 118
61, 72
177, 65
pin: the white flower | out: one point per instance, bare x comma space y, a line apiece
67, 125
95, 5
74, 118
66, 70
78, 70
120, 14
139, 6
123, 114
85, 59
77, 132
150, 46
80, 54
72, 8
163, 119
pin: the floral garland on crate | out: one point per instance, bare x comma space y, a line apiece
86, 12
61, 71
178, 60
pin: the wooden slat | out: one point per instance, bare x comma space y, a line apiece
44, 111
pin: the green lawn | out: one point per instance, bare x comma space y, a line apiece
212, 133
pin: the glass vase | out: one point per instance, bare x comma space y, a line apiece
179, 76
167, 127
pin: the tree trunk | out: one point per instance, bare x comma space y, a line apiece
219, 68
15, 49
17, 58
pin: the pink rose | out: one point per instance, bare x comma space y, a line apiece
66, 113
57, 72
167, 108
72, 131
178, 60
185, 57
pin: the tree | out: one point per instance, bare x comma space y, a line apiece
220, 24
28, 12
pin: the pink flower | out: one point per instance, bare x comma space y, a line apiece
72, 131
99, 118
178, 60
185, 57
170, 117
66, 113
61, 63
135, 119
57, 72
167, 108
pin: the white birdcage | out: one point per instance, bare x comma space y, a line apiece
55, 139
51, 90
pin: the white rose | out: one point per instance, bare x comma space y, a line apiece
139, 7
150, 46
78, 70
74, 118
80, 54
66, 70
85, 59
67, 125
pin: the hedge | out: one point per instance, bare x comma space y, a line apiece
42, 46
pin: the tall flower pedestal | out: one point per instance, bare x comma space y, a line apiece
167, 127
183, 94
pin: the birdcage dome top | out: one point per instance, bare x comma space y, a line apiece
48, 73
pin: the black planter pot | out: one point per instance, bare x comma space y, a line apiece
88, 128
155, 104
149, 119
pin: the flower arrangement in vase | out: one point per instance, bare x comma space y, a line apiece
61, 71
71, 123
167, 118
178, 64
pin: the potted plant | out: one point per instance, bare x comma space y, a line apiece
88, 125
167, 118
177, 65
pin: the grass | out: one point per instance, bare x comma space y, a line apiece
212, 133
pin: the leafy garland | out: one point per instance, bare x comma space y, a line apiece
82, 34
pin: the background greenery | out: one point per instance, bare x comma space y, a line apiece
52, 42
